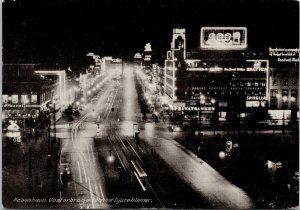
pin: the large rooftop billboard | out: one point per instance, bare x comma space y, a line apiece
223, 38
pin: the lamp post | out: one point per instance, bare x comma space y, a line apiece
202, 101
133, 126
213, 101
25, 101
284, 99
54, 122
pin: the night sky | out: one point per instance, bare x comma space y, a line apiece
49, 30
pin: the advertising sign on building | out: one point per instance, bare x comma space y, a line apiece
223, 38
285, 55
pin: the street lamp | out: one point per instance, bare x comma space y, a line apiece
284, 99
213, 121
133, 126
202, 101
25, 102
54, 121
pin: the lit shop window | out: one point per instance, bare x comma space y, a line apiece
4, 99
274, 92
294, 82
248, 84
14, 99
24, 99
34, 98
256, 84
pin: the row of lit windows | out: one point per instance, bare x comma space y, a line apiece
197, 92
15, 99
285, 92
246, 88
249, 84
47, 95
169, 81
169, 72
284, 82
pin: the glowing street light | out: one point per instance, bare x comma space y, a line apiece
213, 101
293, 99
221, 155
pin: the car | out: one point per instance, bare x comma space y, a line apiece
65, 170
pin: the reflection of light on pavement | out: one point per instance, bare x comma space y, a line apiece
149, 130
201, 177
126, 128
110, 159
129, 94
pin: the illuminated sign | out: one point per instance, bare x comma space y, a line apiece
219, 69
223, 38
12, 106
148, 47
137, 56
147, 58
179, 31
192, 108
256, 98
255, 103
285, 55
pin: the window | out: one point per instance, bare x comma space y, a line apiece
294, 82
14, 99
34, 98
274, 82
274, 92
294, 97
256, 84
294, 73
24, 99
284, 98
4, 99
285, 82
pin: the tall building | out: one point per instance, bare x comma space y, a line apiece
224, 76
25, 93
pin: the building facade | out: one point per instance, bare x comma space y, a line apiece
224, 76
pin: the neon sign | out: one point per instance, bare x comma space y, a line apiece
223, 38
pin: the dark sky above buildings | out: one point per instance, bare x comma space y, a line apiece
45, 30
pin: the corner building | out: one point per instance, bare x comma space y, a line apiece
221, 76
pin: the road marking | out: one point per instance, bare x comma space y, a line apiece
89, 155
93, 154
155, 194
134, 150
101, 191
97, 192
91, 193
79, 171
85, 176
